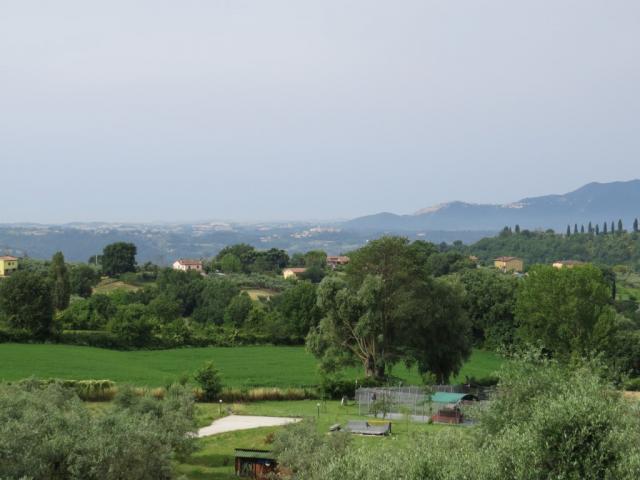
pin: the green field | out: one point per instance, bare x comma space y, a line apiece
255, 366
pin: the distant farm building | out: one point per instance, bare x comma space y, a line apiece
336, 261
293, 272
8, 265
185, 265
509, 264
259, 464
567, 263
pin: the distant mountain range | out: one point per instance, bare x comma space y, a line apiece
595, 202
163, 243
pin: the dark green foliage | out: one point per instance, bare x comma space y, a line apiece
60, 286
118, 258
88, 314
314, 274
299, 308
208, 379
489, 300
216, 295
185, 287
388, 310
47, 433
541, 247
230, 264
567, 311
82, 279
132, 325
165, 308
238, 310
26, 302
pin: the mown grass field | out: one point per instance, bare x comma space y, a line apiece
253, 366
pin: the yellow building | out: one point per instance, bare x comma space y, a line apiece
293, 272
509, 264
8, 265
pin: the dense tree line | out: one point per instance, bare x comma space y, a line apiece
396, 302
547, 247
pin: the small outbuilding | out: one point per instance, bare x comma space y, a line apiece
448, 405
259, 464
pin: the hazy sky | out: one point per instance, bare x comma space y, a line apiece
185, 110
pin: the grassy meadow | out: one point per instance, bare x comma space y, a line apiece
251, 366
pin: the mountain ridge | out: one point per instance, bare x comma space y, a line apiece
595, 202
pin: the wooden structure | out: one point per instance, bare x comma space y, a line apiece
259, 464
448, 406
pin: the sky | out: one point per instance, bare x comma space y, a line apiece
290, 110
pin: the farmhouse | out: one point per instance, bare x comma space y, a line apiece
509, 264
185, 264
293, 272
335, 261
567, 263
8, 265
260, 464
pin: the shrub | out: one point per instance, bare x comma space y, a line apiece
208, 378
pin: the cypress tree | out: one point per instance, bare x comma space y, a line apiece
598, 229
604, 228
635, 225
568, 230
575, 228
620, 228
613, 227
590, 227
517, 228
582, 229
60, 286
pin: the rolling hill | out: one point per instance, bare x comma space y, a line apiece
595, 202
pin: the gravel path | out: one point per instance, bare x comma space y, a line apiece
243, 422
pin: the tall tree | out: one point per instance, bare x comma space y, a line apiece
620, 227
581, 228
590, 227
613, 227
575, 228
517, 228
568, 310
604, 228
60, 285
387, 309
118, 258
635, 225
26, 301
568, 230
598, 229
82, 279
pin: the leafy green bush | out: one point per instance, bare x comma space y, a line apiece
46, 432
208, 378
